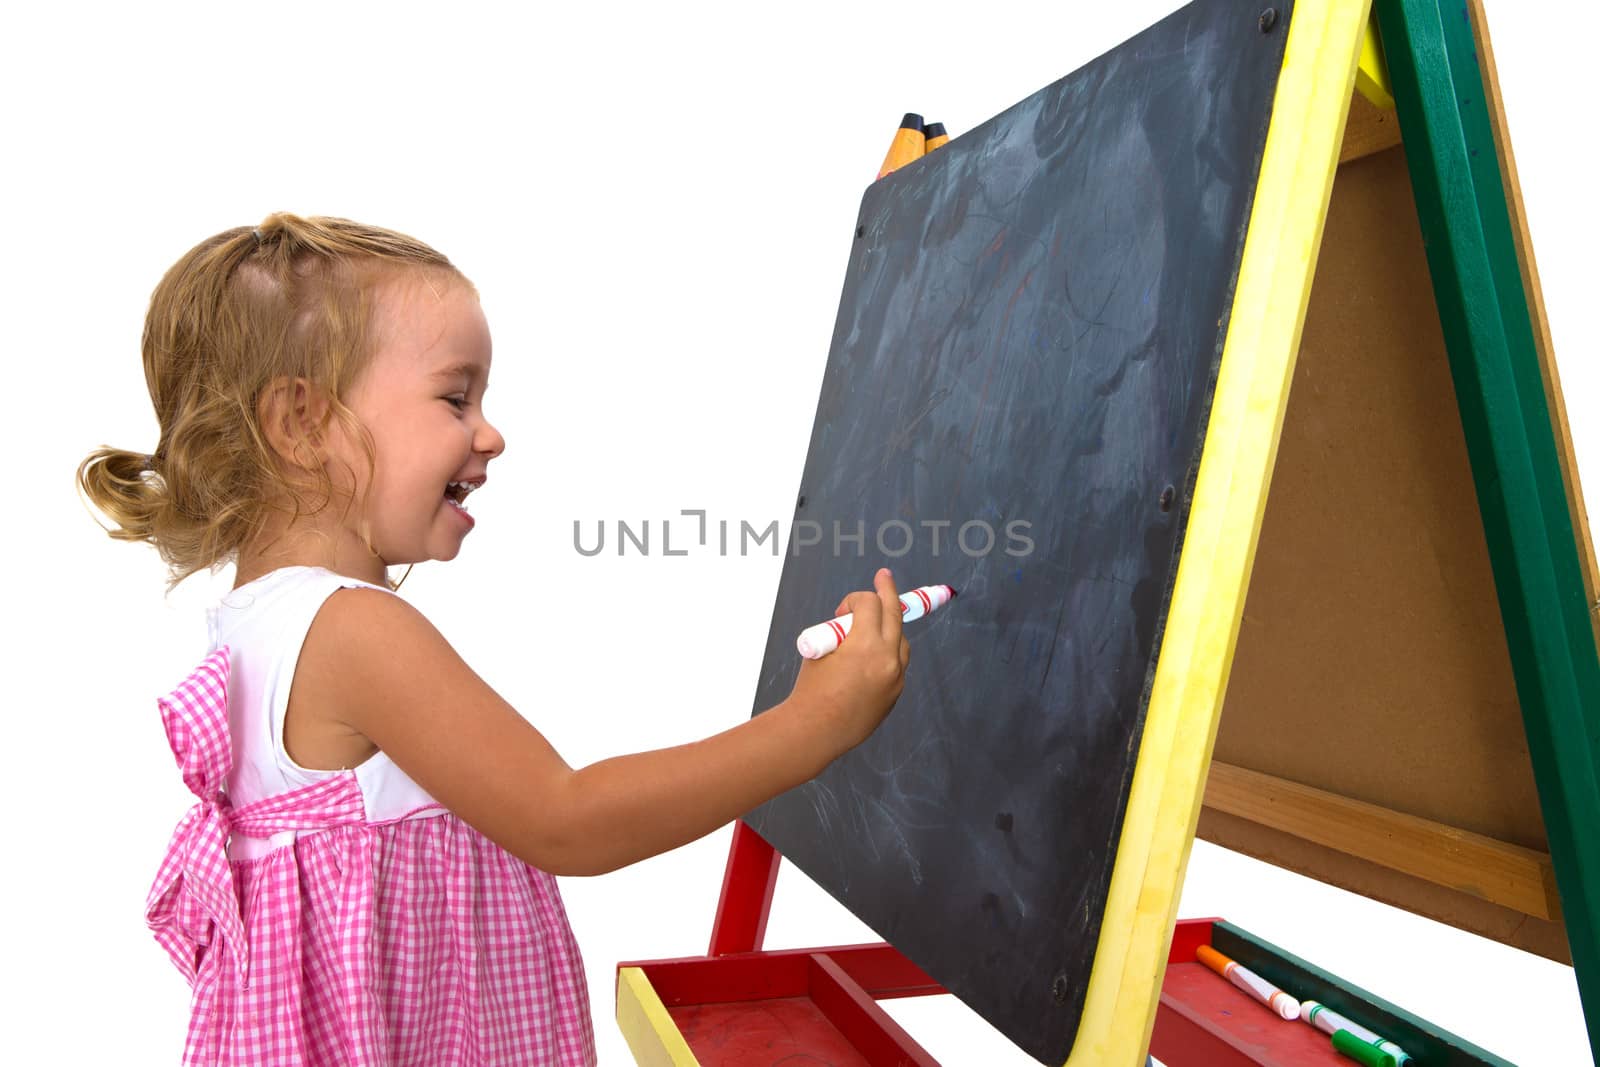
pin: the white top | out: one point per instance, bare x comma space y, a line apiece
264, 624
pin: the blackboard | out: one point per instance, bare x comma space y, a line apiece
1015, 403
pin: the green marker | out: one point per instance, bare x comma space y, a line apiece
1330, 1021
1363, 1051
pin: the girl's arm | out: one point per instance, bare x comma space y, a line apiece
379, 667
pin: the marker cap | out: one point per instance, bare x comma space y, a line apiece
1361, 1051
817, 641
908, 145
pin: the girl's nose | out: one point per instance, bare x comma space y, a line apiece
489, 440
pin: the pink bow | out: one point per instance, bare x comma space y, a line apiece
193, 904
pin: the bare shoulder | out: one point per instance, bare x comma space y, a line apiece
317, 731
366, 649
386, 674
361, 631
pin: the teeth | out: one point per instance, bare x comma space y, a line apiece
464, 488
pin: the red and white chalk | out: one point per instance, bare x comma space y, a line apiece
817, 641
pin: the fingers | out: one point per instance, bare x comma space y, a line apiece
905, 652
843, 608
889, 601
868, 610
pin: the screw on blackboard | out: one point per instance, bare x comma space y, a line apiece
1269, 19
1058, 989
798, 504
1167, 496
861, 231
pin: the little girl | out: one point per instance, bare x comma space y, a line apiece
367, 878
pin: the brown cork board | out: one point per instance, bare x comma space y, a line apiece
1371, 661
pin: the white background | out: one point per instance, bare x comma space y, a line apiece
656, 204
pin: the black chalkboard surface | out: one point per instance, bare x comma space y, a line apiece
1014, 404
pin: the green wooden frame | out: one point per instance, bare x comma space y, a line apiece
1450, 149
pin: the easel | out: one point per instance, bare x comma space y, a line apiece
1512, 454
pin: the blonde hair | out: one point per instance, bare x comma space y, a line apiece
291, 298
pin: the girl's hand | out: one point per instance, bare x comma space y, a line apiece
851, 690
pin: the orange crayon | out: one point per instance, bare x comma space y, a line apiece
935, 135
908, 144
1249, 981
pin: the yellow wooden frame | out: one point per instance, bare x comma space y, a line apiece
1372, 73
1252, 393
652, 1036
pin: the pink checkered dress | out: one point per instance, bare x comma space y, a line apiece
409, 942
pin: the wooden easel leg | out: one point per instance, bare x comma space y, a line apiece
746, 901
1464, 209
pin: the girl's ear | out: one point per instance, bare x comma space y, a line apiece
293, 416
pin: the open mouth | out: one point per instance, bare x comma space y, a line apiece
456, 493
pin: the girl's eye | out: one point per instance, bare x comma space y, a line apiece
457, 402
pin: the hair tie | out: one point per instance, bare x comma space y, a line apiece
149, 464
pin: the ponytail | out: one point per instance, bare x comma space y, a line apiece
120, 486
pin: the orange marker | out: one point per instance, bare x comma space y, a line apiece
908, 144
934, 132
1250, 982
